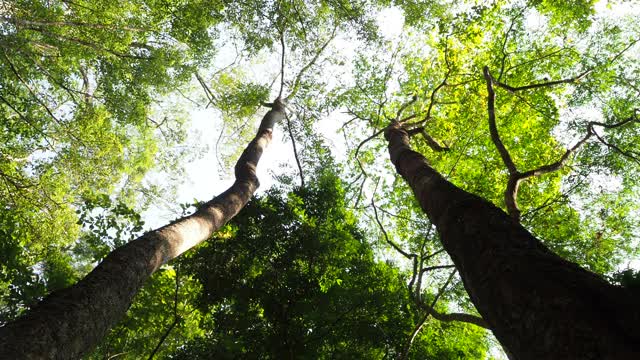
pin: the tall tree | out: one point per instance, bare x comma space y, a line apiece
82, 97
69, 322
64, 321
561, 113
538, 304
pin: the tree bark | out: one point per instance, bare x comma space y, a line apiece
538, 305
70, 322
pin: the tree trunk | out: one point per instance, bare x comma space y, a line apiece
538, 305
70, 322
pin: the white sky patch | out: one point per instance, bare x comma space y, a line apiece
568, 137
328, 127
619, 9
535, 21
605, 183
391, 22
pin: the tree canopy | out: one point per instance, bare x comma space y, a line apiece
531, 105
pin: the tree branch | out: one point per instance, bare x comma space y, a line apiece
514, 179
281, 63
545, 169
493, 129
207, 91
375, 134
418, 327
551, 201
461, 317
543, 84
436, 267
384, 232
404, 106
562, 81
433, 144
432, 100
295, 150
68, 24
89, 44
15, 181
45, 137
627, 154
504, 44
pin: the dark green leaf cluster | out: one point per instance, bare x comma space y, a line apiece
293, 276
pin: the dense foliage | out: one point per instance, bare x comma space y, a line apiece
78, 83
94, 96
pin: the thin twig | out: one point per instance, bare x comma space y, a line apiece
504, 43
421, 323
41, 102
384, 232
543, 84
432, 100
515, 179
550, 201
69, 24
220, 164
296, 82
281, 64
627, 154
570, 80
91, 45
295, 150
28, 121
545, 169
436, 267
404, 106
375, 134
207, 91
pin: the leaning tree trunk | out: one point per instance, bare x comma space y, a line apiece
538, 305
70, 322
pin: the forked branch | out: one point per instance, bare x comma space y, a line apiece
555, 166
569, 80
431, 142
386, 236
515, 176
